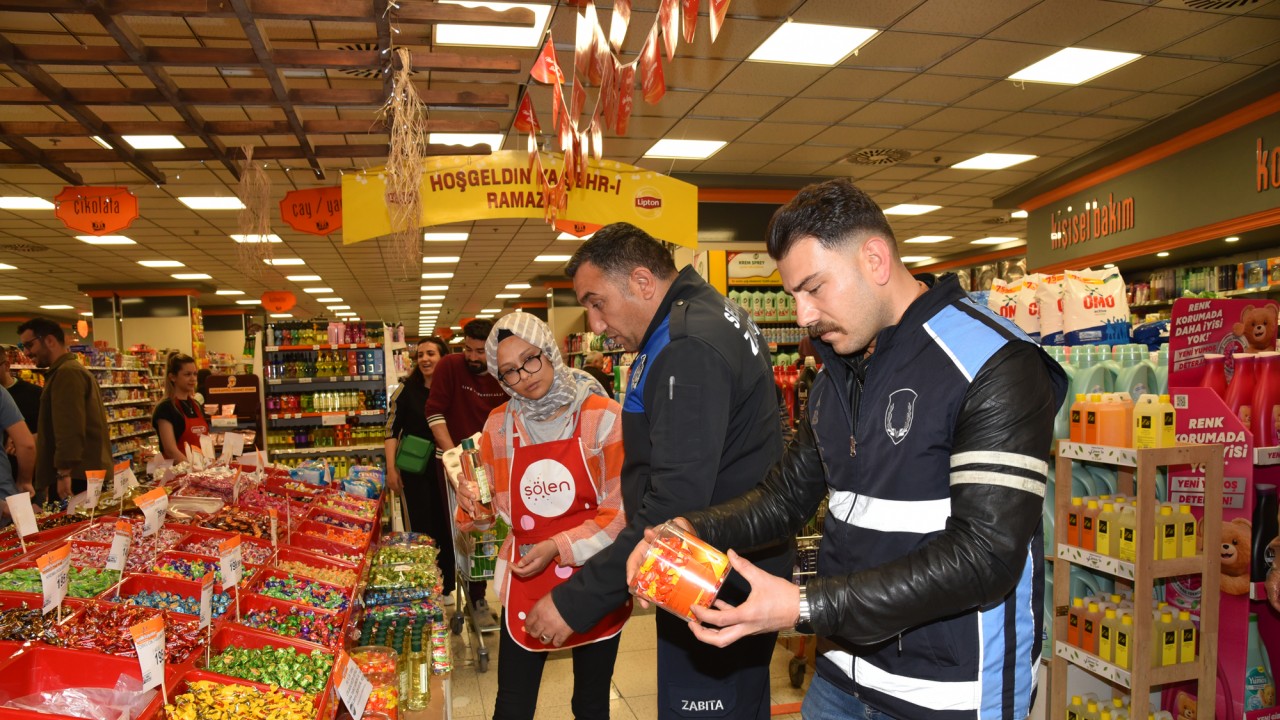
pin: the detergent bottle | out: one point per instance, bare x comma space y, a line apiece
1091, 418
1137, 375
1215, 373
1062, 422
1186, 638
1162, 368
1259, 689
1266, 400
1239, 395
1076, 419
1092, 376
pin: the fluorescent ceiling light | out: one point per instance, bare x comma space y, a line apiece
229, 292
506, 296
1108, 266
160, 263
811, 44
431, 297
12, 297
87, 313
455, 327
491, 310
248, 302
284, 262
684, 149
929, 239
337, 307
518, 286
281, 315
915, 258
439, 259
994, 240
992, 161
212, 203
25, 203
329, 300
494, 35
105, 240
4, 266
1233, 238
1162, 254
153, 142
272, 238
437, 275
56, 307
484, 316
445, 236
1073, 66
571, 236
191, 276
345, 314
101, 142
1018, 214
430, 305
434, 288
302, 278
317, 290
493, 140
910, 209
552, 258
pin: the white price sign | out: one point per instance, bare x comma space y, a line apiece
230, 561
353, 687
153, 504
331, 418
75, 501
275, 521
206, 600
206, 447
118, 555
93, 490
123, 479
148, 640
55, 568
232, 445
24, 517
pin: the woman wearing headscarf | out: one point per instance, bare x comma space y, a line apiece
553, 453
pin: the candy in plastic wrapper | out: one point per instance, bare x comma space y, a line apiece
680, 571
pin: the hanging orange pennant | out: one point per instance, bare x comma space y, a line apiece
557, 104
618, 25
669, 20
607, 101
578, 100
526, 121
546, 69
719, 8
597, 139
583, 48
602, 61
689, 13
652, 81
626, 97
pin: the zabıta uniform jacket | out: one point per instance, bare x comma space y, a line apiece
934, 451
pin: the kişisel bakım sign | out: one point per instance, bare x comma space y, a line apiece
96, 210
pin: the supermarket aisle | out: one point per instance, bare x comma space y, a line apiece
634, 679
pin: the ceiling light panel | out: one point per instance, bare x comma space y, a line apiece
1073, 66
929, 239
800, 43
911, 209
160, 263
992, 161
676, 149
445, 237
153, 142
254, 239
105, 240
212, 203
494, 35
24, 203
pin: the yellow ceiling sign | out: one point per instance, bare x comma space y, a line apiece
501, 185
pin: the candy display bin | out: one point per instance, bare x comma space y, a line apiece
182, 559
268, 573
250, 602
330, 549
192, 676
136, 583
231, 635
41, 668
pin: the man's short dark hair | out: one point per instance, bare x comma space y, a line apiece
478, 329
44, 327
619, 248
834, 212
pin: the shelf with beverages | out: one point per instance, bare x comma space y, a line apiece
326, 450
323, 365
322, 335
327, 402
336, 379
135, 401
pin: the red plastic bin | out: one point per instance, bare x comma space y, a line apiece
316, 559
336, 619
40, 668
194, 675
329, 548
202, 534
360, 545
136, 583
273, 573
249, 572
239, 636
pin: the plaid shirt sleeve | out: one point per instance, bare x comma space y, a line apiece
601, 422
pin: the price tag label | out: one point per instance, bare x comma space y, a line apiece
24, 517
206, 447
235, 488
224, 421
331, 418
153, 504
232, 445
353, 687
206, 600
122, 478
230, 561
275, 517
118, 555
55, 567
75, 501
148, 640
93, 490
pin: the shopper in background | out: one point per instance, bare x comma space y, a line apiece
558, 444
700, 426
15, 435
179, 417
27, 397
929, 428
74, 439
593, 364
462, 394
424, 492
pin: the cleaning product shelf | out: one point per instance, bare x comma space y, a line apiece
1107, 671
1124, 569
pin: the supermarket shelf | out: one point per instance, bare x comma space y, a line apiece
125, 419
127, 402
342, 346
140, 433
1107, 671
1127, 457
322, 380
122, 453
109, 367
326, 450
23, 367
316, 415
602, 352
1124, 569
126, 385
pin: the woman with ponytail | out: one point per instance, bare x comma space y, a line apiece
178, 418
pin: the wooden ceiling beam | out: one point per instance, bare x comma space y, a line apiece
247, 96
236, 127
423, 60
135, 49
36, 156
195, 154
55, 94
416, 12
258, 42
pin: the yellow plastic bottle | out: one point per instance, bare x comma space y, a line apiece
1187, 529
1168, 423
1166, 547
1091, 418
1106, 533
1128, 541
1107, 636
1186, 638
1147, 417
1076, 708
1124, 642
1169, 635
1088, 524
1090, 711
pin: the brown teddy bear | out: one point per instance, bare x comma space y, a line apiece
1257, 327
1184, 705
1237, 544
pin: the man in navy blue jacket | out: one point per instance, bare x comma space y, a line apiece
929, 429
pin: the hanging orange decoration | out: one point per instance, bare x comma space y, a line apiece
96, 210
278, 301
82, 328
317, 211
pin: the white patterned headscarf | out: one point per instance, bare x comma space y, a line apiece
570, 385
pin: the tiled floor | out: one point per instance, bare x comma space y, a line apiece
634, 690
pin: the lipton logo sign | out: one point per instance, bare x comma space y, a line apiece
648, 201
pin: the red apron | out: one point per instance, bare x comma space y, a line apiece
551, 492
192, 427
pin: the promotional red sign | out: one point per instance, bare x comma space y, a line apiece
317, 211
689, 15
278, 301
626, 96
546, 69
96, 210
652, 80
526, 120
719, 8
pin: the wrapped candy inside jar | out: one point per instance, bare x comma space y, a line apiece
680, 571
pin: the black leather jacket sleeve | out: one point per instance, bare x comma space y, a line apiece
999, 462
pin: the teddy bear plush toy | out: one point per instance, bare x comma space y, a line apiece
1257, 327
1237, 546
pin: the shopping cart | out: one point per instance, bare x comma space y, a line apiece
476, 556
806, 566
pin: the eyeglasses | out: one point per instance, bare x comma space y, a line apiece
511, 378
28, 344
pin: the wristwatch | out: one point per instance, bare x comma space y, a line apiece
802, 623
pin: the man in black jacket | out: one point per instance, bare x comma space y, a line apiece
699, 426
928, 430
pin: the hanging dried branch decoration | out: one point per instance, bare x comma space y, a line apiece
406, 116
255, 218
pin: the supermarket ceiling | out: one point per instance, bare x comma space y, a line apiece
305, 93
